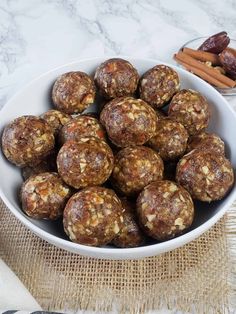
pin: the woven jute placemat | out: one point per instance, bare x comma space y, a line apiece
197, 277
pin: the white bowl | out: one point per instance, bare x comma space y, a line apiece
35, 99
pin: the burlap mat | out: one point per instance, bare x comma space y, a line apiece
194, 277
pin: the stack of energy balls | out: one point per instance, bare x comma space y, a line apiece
127, 172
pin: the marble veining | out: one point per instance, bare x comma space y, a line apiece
38, 35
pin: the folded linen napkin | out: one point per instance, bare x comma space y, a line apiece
13, 294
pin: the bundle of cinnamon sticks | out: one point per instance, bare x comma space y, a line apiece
196, 61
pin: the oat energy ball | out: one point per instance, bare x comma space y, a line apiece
165, 210
73, 92
82, 126
85, 162
44, 196
136, 167
203, 141
116, 78
170, 140
158, 85
93, 216
191, 109
27, 140
56, 119
130, 234
206, 175
128, 121
46, 165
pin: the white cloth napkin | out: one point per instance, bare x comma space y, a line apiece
13, 294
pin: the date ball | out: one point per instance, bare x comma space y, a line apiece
44, 196
93, 216
206, 175
136, 167
203, 141
56, 119
27, 140
116, 78
170, 140
129, 121
158, 85
85, 162
73, 92
165, 210
130, 234
46, 165
191, 109
82, 126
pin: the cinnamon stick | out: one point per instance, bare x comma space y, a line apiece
209, 71
201, 74
202, 56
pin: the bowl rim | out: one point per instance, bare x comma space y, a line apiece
120, 253
224, 91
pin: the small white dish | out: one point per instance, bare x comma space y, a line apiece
195, 44
35, 99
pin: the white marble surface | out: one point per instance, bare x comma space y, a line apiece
38, 35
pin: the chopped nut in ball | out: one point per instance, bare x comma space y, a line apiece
204, 141
136, 167
81, 126
27, 140
158, 85
130, 234
129, 121
56, 119
165, 210
93, 216
44, 196
170, 140
73, 92
85, 162
191, 109
116, 78
206, 175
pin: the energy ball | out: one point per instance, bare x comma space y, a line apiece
93, 216
46, 165
85, 162
130, 234
56, 119
116, 78
170, 140
129, 121
27, 140
136, 167
206, 175
205, 141
44, 196
158, 85
165, 210
73, 92
191, 109
82, 126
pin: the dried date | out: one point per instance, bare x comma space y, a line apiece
228, 61
216, 43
